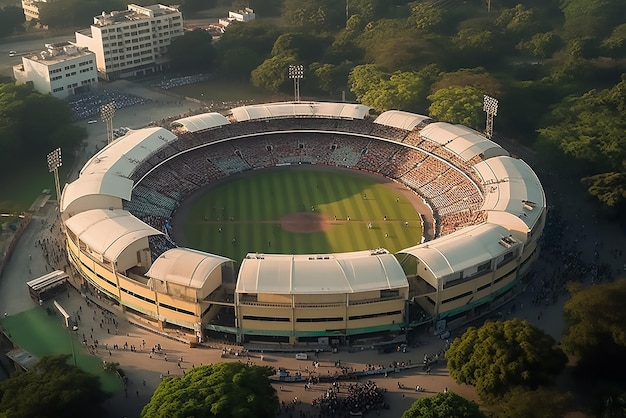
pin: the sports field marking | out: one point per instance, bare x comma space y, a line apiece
244, 215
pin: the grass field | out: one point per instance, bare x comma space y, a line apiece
41, 334
258, 202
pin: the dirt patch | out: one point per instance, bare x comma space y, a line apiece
304, 222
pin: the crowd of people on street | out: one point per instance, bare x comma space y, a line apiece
178, 81
358, 398
88, 105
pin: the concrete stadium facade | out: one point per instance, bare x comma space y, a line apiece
489, 208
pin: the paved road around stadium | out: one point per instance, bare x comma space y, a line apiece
140, 367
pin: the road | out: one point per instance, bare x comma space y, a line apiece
24, 47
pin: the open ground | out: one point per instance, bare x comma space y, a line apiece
300, 210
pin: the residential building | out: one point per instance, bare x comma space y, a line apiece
62, 69
31, 8
132, 42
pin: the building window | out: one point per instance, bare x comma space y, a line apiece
57, 89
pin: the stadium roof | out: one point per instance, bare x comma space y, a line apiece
123, 155
300, 109
109, 170
461, 249
185, 266
201, 122
108, 232
96, 184
462, 141
353, 272
512, 187
400, 119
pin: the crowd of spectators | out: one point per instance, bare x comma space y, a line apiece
88, 105
182, 80
359, 398
196, 159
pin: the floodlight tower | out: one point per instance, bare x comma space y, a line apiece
107, 112
296, 72
490, 106
54, 162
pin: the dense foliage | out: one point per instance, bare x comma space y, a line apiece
443, 405
23, 142
596, 331
502, 355
51, 388
219, 390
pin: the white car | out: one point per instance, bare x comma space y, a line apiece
92, 122
12, 53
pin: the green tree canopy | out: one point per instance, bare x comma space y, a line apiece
501, 355
23, 141
200, 42
523, 403
478, 78
220, 390
273, 73
314, 15
383, 91
443, 405
51, 388
458, 104
596, 328
591, 129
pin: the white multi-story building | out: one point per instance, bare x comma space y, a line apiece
245, 15
31, 8
132, 42
62, 69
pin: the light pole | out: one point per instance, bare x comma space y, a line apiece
106, 112
296, 72
54, 162
490, 106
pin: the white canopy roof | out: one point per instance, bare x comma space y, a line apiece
201, 122
123, 155
185, 266
96, 184
443, 132
470, 145
109, 170
353, 272
108, 232
461, 249
301, 109
512, 187
400, 119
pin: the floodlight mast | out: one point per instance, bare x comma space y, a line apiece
107, 112
296, 72
490, 107
54, 162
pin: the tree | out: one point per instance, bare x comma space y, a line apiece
11, 20
502, 355
219, 390
382, 91
458, 104
443, 405
596, 329
540, 45
51, 388
273, 73
426, 15
198, 41
522, 403
314, 15
478, 78
608, 188
591, 128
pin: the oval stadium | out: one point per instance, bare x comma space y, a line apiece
473, 236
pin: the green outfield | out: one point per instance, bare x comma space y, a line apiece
259, 202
